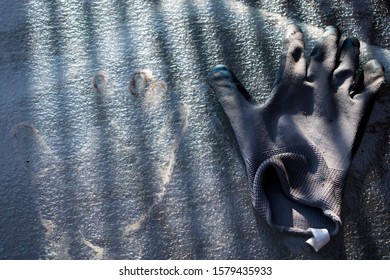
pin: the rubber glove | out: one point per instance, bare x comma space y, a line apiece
297, 147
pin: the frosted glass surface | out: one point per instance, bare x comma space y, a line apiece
113, 146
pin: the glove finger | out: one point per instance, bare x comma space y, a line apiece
231, 94
323, 58
292, 61
344, 74
373, 77
237, 104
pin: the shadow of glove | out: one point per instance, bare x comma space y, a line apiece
298, 146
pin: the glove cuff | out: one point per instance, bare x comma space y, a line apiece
295, 191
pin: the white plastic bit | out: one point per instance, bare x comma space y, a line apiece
320, 238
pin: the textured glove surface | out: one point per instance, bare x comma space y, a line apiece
298, 146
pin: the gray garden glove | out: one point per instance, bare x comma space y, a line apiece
298, 146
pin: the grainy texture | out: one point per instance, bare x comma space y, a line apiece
91, 171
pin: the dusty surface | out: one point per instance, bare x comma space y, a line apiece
113, 147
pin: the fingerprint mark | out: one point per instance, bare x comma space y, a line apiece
101, 84
130, 229
43, 168
32, 149
140, 81
166, 168
99, 251
48, 225
155, 93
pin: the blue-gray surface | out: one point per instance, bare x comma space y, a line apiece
91, 171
